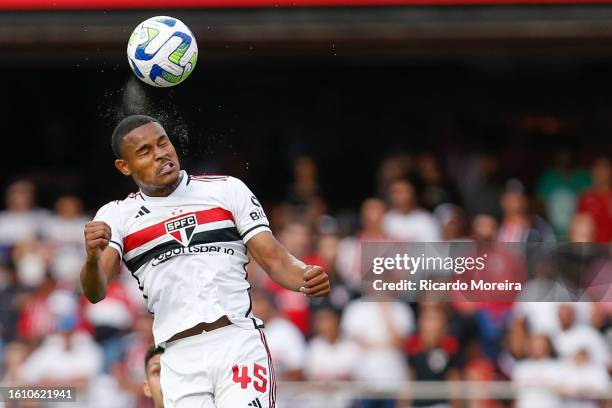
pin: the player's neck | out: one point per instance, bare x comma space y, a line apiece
162, 191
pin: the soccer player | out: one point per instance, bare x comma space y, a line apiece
185, 240
151, 386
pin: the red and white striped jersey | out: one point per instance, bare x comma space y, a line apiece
187, 250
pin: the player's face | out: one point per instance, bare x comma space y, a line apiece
149, 157
151, 386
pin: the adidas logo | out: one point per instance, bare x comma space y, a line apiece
255, 403
143, 210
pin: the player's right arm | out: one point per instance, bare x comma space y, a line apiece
104, 246
102, 262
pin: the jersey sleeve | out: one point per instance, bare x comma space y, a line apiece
248, 213
109, 214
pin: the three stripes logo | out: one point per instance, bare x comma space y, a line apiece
255, 403
143, 210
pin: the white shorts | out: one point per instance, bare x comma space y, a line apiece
228, 367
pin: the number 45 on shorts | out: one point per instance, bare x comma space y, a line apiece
242, 377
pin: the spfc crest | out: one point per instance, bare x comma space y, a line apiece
181, 229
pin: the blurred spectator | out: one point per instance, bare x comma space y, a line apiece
583, 380
393, 168
304, 195
287, 344
380, 329
597, 201
518, 225
405, 221
349, 251
514, 348
297, 238
31, 259
63, 232
12, 299
435, 190
15, 354
432, 353
36, 319
127, 372
326, 255
543, 317
491, 317
481, 369
538, 377
452, 220
111, 319
329, 357
574, 337
65, 226
559, 187
21, 221
477, 177
484, 228
66, 357
582, 228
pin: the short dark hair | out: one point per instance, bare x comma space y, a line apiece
124, 127
152, 351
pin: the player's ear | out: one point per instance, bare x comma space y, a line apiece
146, 389
123, 167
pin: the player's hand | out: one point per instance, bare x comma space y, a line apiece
316, 282
97, 236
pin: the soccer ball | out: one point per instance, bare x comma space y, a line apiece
162, 51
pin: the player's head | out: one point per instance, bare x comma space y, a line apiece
151, 386
144, 152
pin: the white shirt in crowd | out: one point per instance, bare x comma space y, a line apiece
18, 227
287, 345
581, 383
415, 226
330, 362
538, 383
581, 336
543, 317
366, 323
348, 262
110, 312
62, 231
82, 359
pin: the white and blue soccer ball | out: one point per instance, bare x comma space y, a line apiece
162, 51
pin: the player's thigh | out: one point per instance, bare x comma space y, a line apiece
185, 376
248, 380
191, 401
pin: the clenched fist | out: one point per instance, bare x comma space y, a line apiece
316, 282
97, 236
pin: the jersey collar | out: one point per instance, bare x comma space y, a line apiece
182, 185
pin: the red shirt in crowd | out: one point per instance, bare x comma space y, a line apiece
599, 205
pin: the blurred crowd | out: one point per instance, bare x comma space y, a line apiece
558, 354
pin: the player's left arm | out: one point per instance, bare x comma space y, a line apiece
285, 269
